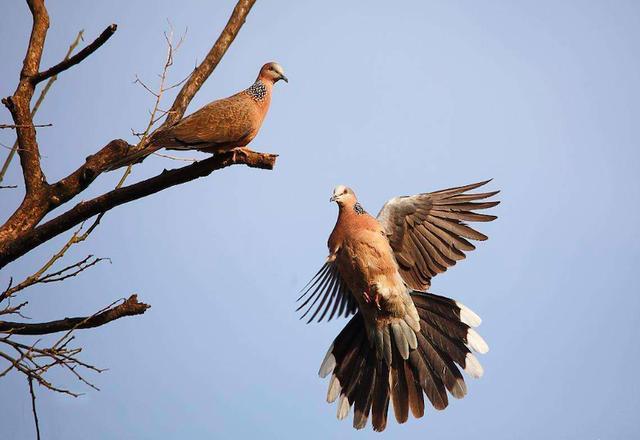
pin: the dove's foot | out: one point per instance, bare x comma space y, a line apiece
240, 152
376, 298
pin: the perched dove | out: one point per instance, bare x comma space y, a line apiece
221, 125
402, 340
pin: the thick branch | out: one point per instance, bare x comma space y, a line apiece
76, 182
31, 62
130, 307
85, 210
77, 58
18, 104
36, 106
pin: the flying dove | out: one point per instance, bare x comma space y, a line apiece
403, 341
221, 125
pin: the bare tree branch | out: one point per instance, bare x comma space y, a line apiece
129, 307
23, 126
85, 210
77, 58
18, 104
10, 310
33, 406
105, 202
60, 275
34, 206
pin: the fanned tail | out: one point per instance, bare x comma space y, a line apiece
399, 365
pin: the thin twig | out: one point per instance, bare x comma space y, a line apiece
77, 58
23, 126
40, 277
183, 159
8, 310
33, 406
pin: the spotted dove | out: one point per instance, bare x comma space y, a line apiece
403, 341
221, 125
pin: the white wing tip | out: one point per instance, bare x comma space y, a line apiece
472, 366
468, 316
476, 342
459, 389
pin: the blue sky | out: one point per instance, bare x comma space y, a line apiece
391, 100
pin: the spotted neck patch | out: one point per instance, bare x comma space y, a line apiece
359, 209
257, 91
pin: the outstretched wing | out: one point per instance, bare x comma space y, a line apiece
334, 295
427, 231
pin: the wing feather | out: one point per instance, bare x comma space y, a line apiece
328, 287
220, 122
428, 233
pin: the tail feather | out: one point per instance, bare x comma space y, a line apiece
132, 158
153, 143
416, 399
380, 405
431, 383
399, 390
399, 365
449, 373
363, 391
456, 349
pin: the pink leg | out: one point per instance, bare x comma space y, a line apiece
366, 296
376, 298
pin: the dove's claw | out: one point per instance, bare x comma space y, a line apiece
376, 298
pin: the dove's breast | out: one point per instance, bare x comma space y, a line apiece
366, 263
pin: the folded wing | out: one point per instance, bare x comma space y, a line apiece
224, 122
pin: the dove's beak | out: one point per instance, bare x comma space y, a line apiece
284, 78
333, 199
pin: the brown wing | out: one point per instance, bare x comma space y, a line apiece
225, 121
427, 231
328, 286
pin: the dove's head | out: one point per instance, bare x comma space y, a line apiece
343, 196
272, 72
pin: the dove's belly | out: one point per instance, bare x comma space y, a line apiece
367, 264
